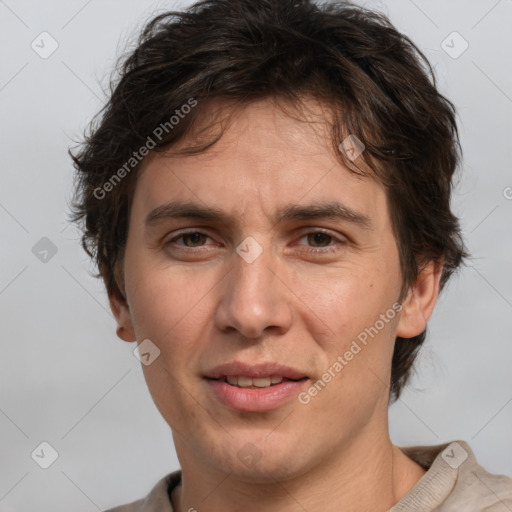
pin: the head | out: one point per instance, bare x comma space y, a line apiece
270, 182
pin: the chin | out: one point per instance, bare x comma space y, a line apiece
266, 472
261, 462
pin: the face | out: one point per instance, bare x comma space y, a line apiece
264, 258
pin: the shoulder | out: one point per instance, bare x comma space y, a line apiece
158, 498
475, 489
455, 482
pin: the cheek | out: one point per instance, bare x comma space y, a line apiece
166, 309
356, 360
343, 303
161, 300
172, 307
360, 309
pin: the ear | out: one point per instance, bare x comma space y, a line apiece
121, 312
420, 301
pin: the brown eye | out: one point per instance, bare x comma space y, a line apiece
190, 240
319, 238
319, 242
194, 238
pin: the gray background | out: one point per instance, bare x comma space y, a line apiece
68, 380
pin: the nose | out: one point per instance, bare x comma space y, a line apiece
255, 298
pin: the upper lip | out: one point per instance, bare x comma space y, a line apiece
240, 369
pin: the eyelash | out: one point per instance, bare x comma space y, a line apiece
313, 250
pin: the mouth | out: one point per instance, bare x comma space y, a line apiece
255, 382
255, 388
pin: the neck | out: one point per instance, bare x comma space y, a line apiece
372, 475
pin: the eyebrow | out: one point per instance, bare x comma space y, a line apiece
318, 210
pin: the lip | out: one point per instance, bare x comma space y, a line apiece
239, 368
255, 399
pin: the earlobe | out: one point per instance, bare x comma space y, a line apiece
419, 304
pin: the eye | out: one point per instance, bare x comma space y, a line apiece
191, 239
319, 242
322, 242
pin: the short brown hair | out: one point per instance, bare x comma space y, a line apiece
378, 84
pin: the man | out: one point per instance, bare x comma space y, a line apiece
267, 197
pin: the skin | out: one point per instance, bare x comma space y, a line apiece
202, 305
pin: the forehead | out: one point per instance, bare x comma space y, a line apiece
264, 161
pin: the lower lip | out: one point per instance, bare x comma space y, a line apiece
256, 399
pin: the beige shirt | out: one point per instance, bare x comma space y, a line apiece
454, 482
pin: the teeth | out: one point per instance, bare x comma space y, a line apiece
262, 382
244, 382
259, 382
